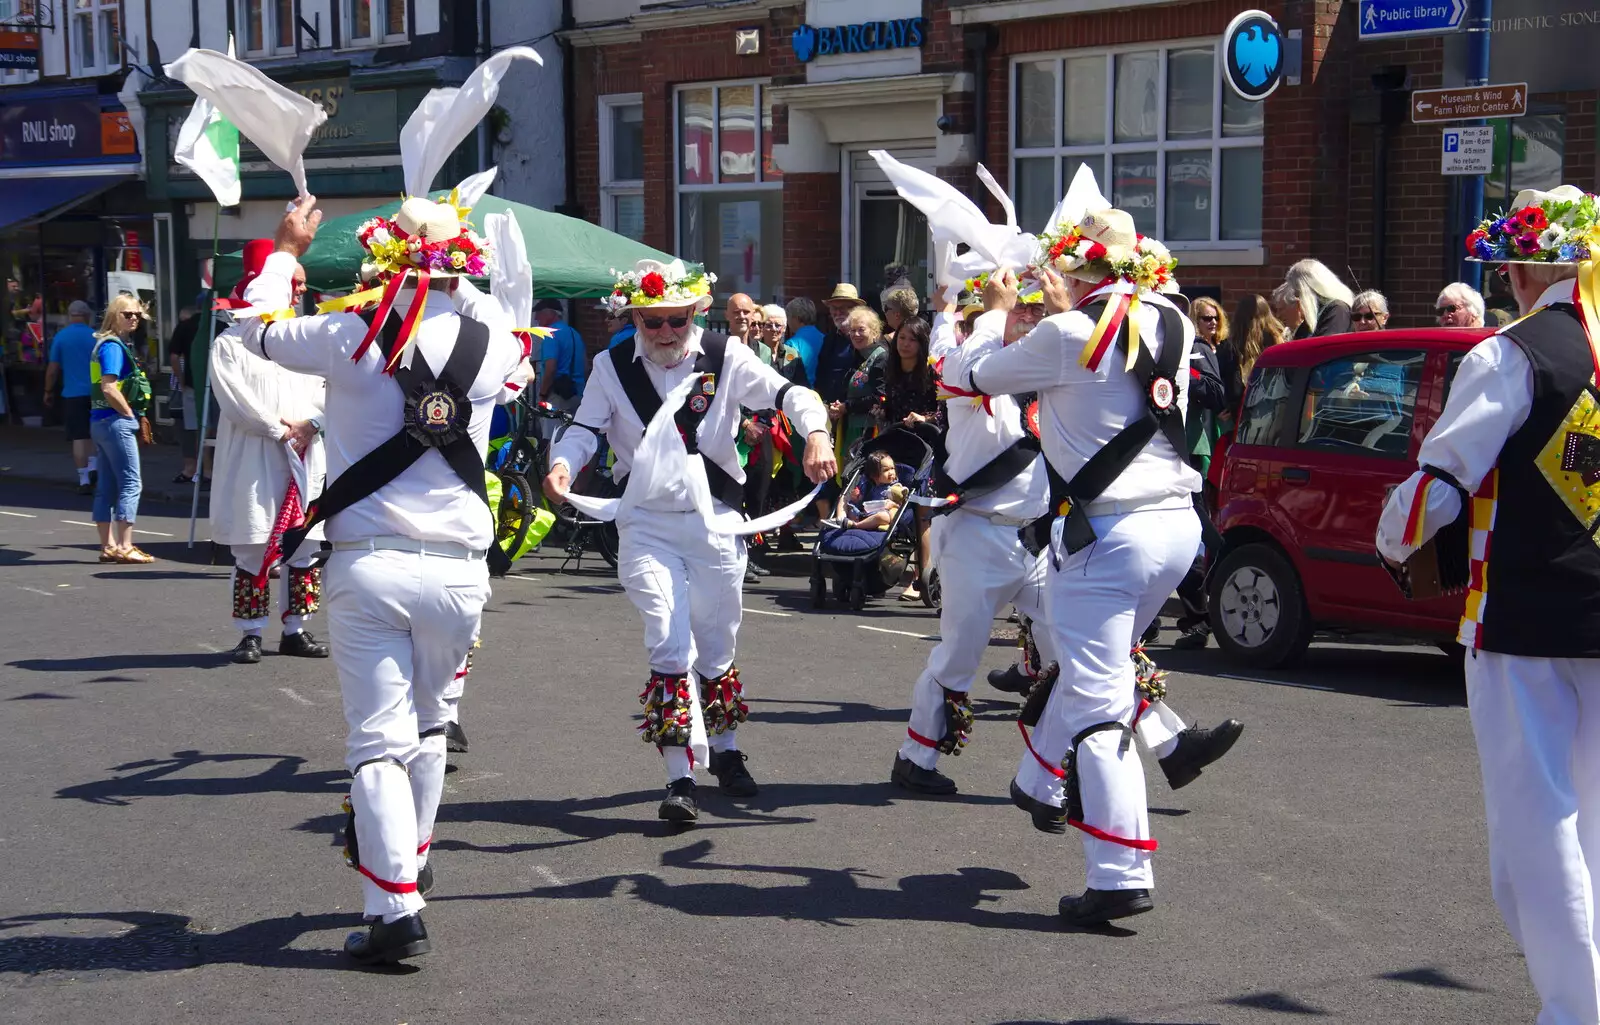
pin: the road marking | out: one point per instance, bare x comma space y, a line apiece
211, 648
63, 585
35, 590
548, 876
764, 612
80, 523
1275, 683
25, 516
289, 692
157, 533
902, 633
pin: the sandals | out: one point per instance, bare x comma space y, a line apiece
133, 556
108, 554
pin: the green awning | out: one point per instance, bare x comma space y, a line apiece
570, 258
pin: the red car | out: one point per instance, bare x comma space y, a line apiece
1328, 427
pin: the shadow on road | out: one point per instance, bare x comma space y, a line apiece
155, 777
1416, 678
110, 663
826, 896
160, 942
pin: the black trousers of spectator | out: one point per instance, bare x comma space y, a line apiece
758, 476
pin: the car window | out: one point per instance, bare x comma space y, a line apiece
1266, 407
1362, 403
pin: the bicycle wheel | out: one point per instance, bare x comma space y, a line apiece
516, 511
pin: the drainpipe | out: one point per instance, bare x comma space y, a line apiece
569, 105
1393, 100
1480, 14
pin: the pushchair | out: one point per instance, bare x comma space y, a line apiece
866, 563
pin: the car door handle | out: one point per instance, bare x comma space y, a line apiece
1296, 475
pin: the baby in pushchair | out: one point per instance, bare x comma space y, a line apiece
866, 546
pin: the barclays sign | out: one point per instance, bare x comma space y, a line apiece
810, 42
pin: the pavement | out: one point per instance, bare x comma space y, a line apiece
43, 455
170, 843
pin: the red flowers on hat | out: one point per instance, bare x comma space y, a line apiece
1533, 218
653, 285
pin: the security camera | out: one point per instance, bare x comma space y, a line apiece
944, 122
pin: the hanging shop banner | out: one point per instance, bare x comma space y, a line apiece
1252, 55
19, 51
48, 131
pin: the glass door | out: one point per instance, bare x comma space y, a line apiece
884, 229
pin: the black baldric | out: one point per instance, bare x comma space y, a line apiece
646, 401
1158, 379
437, 415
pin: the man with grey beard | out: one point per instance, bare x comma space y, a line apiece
683, 576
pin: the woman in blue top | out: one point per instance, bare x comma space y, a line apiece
118, 395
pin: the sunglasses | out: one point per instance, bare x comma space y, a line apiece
1363, 315
1445, 311
131, 313
656, 323
1207, 318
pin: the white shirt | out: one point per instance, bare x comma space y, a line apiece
365, 408
744, 381
975, 437
1081, 410
1489, 401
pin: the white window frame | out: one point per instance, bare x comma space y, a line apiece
108, 48
1160, 145
611, 187
269, 30
716, 184
11, 16
348, 20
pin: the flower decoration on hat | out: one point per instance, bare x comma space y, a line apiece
427, 236
653, 283
1561, 226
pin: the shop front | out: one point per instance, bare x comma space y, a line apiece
75, 224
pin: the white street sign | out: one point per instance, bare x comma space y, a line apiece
1467, 151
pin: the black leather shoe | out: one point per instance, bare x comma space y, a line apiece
1010, 679
455, 738
1097, 907
915, 778
732, 777
1047, 818
1194, 638
425, 879
248, 651
679, 805
1198, 748
758, 569
387, 944
302, 645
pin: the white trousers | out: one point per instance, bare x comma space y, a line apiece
982, 568
1539, 749
1095, 601
401, 624
688, 585
248, 558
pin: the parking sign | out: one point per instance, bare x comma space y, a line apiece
1467, 151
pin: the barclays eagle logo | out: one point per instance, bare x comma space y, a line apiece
804, 41
1256, 52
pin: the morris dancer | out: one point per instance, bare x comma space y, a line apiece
408, 424
1110, 366
684, 577
270, 417
1513, 463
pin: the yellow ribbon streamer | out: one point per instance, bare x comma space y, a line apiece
352, 301
1588, 293
277, 315
1106, 316
1133, 332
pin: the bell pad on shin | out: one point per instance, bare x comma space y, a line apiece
1039, 696
1032, 665
1069, 782
1148, 678
352, 851
722, 702
666, 710
305, 591
250, 599
957, 722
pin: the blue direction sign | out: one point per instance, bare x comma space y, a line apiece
1392, 19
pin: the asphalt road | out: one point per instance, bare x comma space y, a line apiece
169, 851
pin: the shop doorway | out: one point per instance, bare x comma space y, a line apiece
885, 229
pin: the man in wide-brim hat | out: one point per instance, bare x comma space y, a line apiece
1120, 537
1513, 463
684, 577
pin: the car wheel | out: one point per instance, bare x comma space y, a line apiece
1258, 609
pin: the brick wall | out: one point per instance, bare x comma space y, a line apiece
811, 234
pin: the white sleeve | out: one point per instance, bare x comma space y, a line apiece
520, 378
306, 345
756, 386
236, 400
1489, 401
982, 363
942, 341
577, 446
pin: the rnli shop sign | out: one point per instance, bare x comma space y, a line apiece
48, 131
810, 42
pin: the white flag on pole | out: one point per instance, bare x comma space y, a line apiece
208, 145
279, 121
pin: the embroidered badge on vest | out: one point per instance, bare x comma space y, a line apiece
437, 413
1163, 395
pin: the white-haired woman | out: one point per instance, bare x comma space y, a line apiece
1369, 311
774, 329
1324, 301
1459, 305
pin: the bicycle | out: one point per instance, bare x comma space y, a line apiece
529, 455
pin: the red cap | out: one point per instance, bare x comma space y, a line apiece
255, 256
